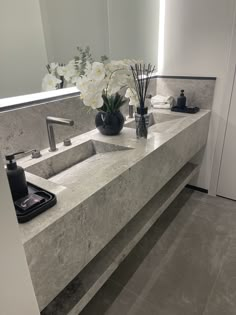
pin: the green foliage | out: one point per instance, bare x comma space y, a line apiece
112, 103
85, 56
104, 59
82, 58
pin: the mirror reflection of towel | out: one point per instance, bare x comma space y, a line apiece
165, 102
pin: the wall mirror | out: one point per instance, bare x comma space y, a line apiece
34, 33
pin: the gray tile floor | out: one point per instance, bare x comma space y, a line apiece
185, 265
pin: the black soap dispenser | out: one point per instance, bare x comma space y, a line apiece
16, 177
181, 101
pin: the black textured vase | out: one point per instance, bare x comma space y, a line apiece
109, 124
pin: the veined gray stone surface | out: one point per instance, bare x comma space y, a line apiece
62, 241
25, 128
198, 92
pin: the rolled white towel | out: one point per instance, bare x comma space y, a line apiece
165, 102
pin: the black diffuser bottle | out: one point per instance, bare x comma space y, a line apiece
181, 101
16, 178
182, 107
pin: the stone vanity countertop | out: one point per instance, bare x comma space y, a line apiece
93, 177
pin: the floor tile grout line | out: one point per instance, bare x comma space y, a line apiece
218, 275
138, 297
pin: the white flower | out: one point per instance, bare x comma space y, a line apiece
82, 84
128, 93
133, 97
91, 88
106, 78
94, 101
67, 71
53, 67
61, 70
50, 82
98, 71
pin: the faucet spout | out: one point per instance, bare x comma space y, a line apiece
59, 121
51, 136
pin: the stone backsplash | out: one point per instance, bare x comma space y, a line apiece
198, 90
25, 128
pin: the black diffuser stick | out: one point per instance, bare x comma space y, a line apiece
134, 72
138, 73
142, 76
149, 72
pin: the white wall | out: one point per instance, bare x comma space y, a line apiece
197, 42
16, 290
72, 23
224, 116
133, 29
22, 53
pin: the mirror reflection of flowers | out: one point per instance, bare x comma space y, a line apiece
65, 75
102, 84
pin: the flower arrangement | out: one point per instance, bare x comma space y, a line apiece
102, 84
103, 87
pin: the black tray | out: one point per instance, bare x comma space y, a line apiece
50, 200
188, 110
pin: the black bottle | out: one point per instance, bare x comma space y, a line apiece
181, 101
16, 177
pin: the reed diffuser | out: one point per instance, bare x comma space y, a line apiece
142, 75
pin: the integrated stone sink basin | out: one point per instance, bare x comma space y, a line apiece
85, 162
68, 166
159, 122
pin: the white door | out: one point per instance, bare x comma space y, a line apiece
227, 177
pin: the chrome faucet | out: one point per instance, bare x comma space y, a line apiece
51, 136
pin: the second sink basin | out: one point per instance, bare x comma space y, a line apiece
159, 122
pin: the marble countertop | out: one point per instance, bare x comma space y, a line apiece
94, 179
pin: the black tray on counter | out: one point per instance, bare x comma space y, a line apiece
49, 201
188, 110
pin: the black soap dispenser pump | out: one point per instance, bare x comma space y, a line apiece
16, 177
181, 101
